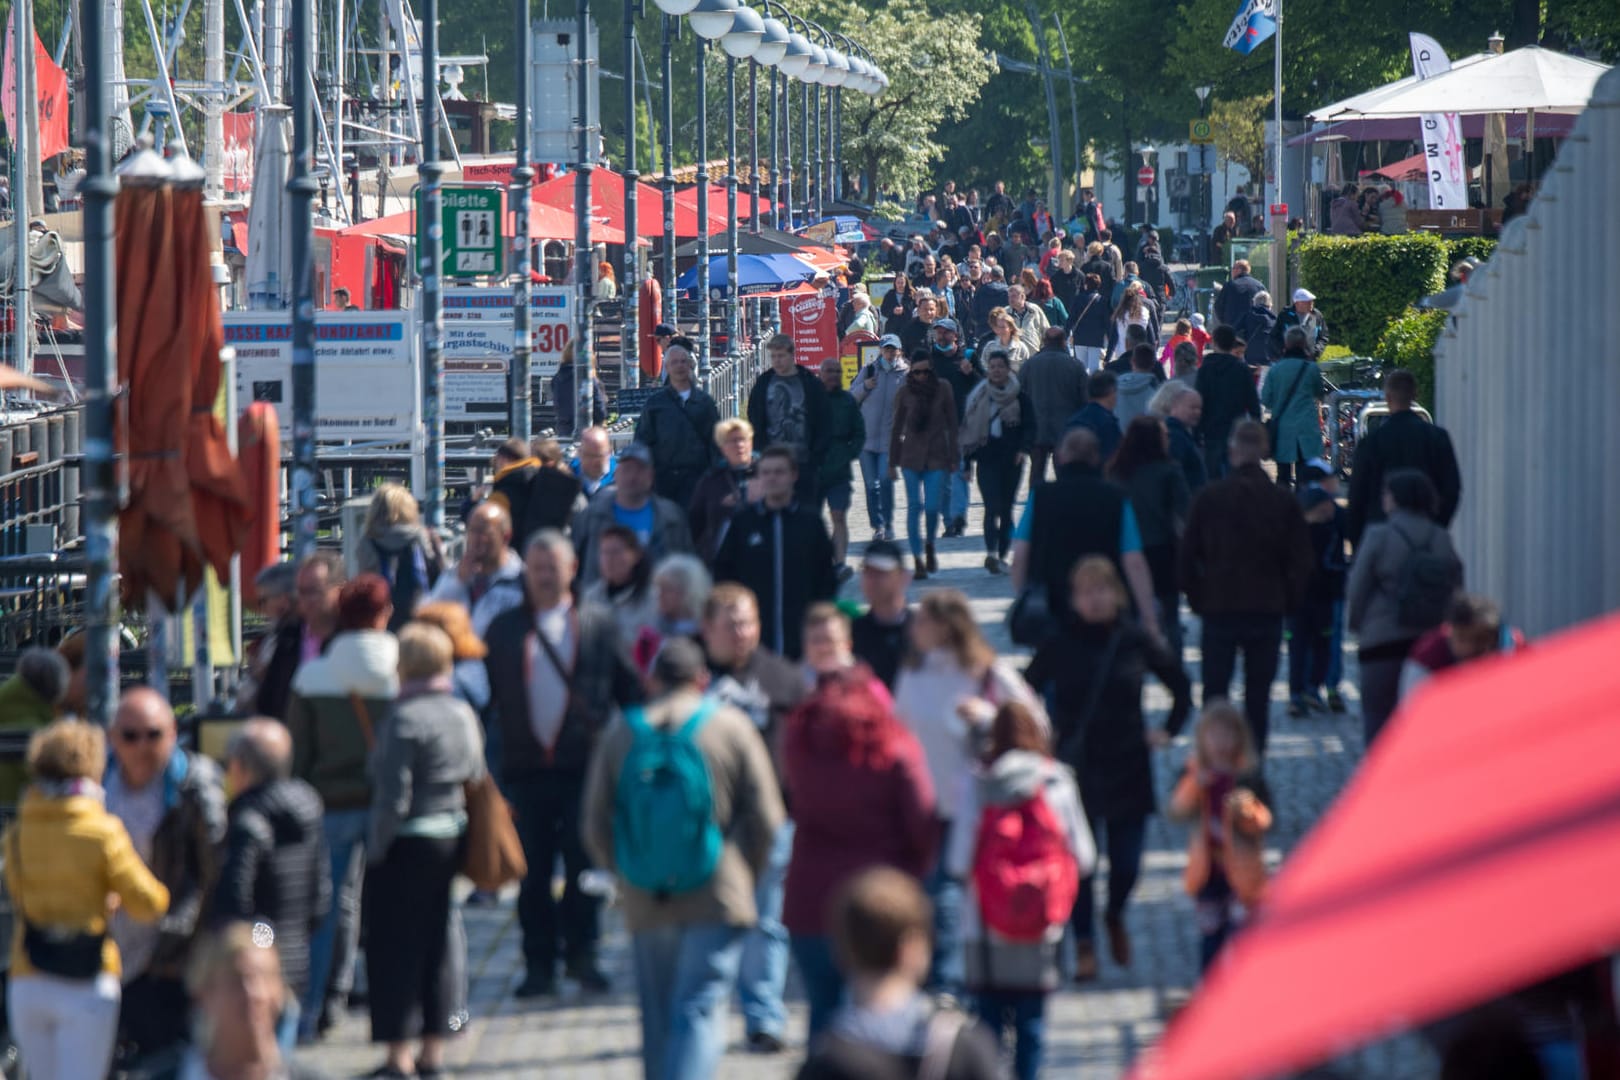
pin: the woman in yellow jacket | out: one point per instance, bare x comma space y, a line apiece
68, 863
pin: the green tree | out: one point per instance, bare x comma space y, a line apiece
1240, 136
936, 68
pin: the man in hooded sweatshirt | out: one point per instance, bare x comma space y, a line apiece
1137, 386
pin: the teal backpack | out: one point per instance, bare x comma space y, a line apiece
665, 838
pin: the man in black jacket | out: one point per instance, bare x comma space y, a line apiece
882, 637
990, 295
172, 805
275, 866
1246, 559
781, 550
1237, 295
788, 407
1186, 409
1076, 515
677, 424
556, 674
316, 587
1404, 441
1226, 386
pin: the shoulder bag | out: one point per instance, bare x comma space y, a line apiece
1072, 747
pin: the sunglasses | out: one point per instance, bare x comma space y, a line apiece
134, 736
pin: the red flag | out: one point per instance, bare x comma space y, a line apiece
52, 84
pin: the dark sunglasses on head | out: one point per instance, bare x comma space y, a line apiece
133, 735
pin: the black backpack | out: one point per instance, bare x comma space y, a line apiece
1425, 588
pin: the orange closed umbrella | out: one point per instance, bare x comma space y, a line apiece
168, 366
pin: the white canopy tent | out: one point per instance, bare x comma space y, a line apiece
1531, 79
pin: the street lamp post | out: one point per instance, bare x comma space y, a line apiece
709, 21
630, 290
431, 174
583, 361
1203, 93
773, 46
672, 10
522, 175
741, 41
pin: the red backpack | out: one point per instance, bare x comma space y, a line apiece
1026, 876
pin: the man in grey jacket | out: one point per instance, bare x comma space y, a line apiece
659, 524
875, 388
686, 946
1056, 382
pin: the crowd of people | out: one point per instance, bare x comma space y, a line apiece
647, 651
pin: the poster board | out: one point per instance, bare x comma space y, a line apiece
479, 340
367, 371
811, 320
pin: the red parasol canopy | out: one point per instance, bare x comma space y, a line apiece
1463, 861
607, 200
186, 501
686, 201
546, 222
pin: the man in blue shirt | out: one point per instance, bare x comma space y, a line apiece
659, 524
1076, 515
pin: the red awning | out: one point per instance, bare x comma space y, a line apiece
687, 201
607, 203
546, 222
1468, 857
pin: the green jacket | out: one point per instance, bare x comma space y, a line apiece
848, 436
21, 710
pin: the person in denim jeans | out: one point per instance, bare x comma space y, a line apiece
923, 445
338, 701
875, 388
686, 947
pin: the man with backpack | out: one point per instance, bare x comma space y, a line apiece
682, 805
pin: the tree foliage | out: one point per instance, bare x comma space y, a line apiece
1240, 136
936, 66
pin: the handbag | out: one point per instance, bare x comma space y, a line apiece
1274, 424
67, 954
493, 856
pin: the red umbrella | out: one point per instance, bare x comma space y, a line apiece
1463, 861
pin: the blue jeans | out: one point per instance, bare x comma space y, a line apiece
287, 1027
762, 972
1024, 1011
823, 982
923, 493
879, 489
946, 974
333, 946
1335, 670
684, 976
1122, 839
957, 504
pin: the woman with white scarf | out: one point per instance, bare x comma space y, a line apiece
996, 431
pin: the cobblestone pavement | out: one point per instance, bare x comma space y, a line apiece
1093, 1032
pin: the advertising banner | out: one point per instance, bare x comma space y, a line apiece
367, 380
812, 322
1442, 134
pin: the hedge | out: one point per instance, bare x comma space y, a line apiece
1480, 247
1409, 343
1363, 283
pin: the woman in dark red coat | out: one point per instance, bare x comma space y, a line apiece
860, 793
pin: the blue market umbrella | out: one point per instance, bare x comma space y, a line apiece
755, 274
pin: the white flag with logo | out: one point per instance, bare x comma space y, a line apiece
1443, 156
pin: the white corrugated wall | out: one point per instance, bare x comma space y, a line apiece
1528, 384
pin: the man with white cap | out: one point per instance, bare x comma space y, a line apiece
1304, 315
875, 389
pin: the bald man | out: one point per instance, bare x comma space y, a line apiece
173, 806
275, 867
489, 578
594, 463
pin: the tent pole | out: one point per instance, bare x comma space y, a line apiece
431, 262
